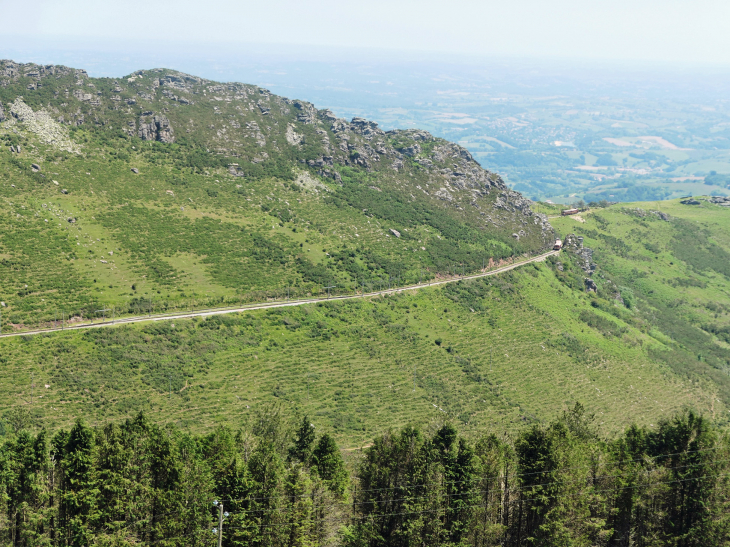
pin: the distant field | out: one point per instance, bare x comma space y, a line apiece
646, 141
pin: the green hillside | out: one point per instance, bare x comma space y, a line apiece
669, 263
164, 190
241, 196
499, 351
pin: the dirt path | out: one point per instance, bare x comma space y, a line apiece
268, 305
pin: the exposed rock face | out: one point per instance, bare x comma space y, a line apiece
717, 200
2, 113
155, 128
307, 113
164, 129
41, 123
590, 285
574, 244
81, 96
292, 137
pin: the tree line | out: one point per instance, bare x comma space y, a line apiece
283, 484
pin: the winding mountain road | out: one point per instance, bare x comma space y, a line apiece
280, 304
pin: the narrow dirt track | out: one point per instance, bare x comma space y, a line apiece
268, 305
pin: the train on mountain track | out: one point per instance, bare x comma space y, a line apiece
558, 245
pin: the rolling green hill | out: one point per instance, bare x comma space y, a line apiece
160, 189
242, 196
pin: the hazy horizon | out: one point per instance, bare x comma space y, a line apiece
655, 31
508, 99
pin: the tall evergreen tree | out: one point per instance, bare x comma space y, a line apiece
301, 451
327, 460
78, 494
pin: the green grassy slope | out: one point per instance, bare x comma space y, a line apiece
673, 274
192, 228
246, 195
498, 351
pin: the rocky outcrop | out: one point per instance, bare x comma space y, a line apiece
41, 123
164, 129
292, 137
574, 244
717, 200
81, 96
155, 128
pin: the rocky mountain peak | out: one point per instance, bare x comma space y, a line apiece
252, 125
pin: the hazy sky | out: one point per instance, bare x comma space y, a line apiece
666, 31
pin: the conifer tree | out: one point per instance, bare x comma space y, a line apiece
327, 460
78, 495
301, 451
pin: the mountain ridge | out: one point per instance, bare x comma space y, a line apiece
151, 105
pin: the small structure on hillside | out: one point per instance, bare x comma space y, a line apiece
566, 212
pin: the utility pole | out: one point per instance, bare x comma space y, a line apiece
149, 310
1, 321
32, 377
414, 376
219, 530
328, 290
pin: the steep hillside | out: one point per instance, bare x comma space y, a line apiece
161, 188
162, 191
668, 265
498, 352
